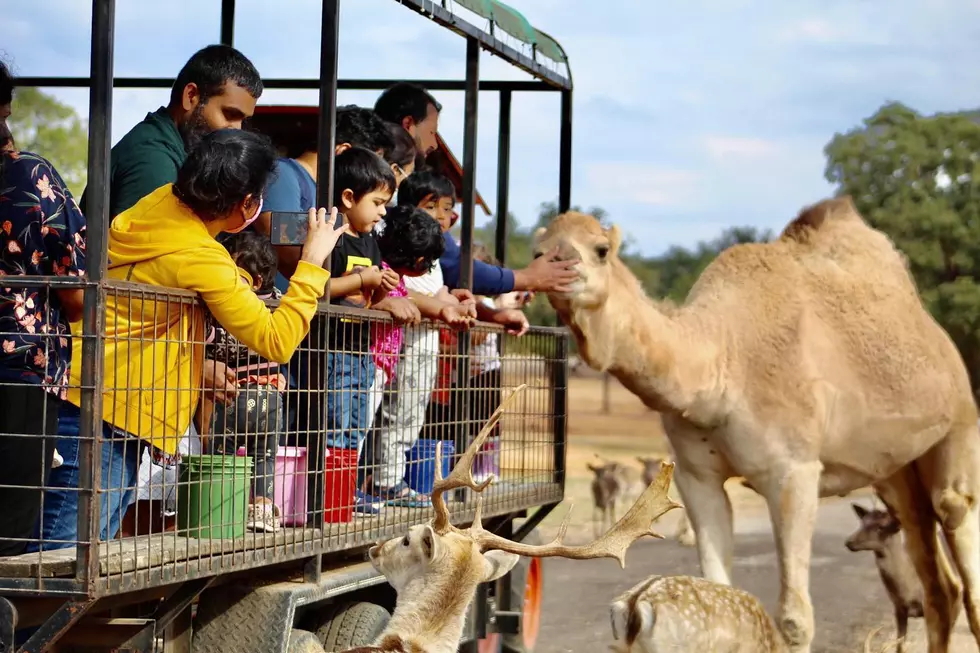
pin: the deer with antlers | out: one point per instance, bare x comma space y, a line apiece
435, 568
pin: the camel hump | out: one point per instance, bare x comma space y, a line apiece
820, 216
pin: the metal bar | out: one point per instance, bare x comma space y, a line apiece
179, 600
442, 16
470, 111
66, 616
503, 177
228, 22
532, 522
100, 131
295, 83
565, 154
8, 625
559, 406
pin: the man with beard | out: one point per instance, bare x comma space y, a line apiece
216, 89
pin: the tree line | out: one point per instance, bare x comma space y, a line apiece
911, 175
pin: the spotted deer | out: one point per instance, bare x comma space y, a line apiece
435, 568
607, 488
880, 532
685, 614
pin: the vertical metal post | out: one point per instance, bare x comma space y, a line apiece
559, 405
326, 141
469, 161
503, 177
228, 22
565, 154
93, 347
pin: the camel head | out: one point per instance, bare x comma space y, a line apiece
582, 238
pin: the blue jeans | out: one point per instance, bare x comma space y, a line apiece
349, 379
121, 453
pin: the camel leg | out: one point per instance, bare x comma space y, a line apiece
793, 498
904, 496
710, 511
948, 472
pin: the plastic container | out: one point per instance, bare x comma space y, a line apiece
212, 496
339, 483
420, 472
290, 484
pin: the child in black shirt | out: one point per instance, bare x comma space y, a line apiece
363, 184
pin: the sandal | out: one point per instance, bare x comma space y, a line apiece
402, 496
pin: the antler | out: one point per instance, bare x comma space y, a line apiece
462, 473
637, 523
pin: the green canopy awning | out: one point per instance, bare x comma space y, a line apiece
512, 22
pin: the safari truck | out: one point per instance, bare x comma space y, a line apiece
194, 578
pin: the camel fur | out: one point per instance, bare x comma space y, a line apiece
808, 366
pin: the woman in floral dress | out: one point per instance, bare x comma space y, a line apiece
42, 232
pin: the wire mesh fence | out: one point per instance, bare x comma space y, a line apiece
195, 456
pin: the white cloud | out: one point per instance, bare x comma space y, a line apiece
812, 29
643, 184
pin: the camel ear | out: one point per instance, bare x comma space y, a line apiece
538, 235
615, 237
859, 510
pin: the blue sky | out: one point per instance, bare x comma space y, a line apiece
689, 117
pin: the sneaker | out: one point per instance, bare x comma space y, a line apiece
365, 504
402, 496
263, 517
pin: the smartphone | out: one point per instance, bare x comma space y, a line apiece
288, 227
291, 227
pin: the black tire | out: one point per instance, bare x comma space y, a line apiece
347, 625
303, 641
518, 581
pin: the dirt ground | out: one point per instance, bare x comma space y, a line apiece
849, 599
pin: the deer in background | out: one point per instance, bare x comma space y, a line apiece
607, 487
435, 568
881, 532
651, 467
687, 614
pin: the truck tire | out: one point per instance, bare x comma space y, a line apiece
347, 625
303, 641
526, 592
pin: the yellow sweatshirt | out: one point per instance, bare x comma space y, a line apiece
154, 345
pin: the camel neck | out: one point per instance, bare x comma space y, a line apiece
657, 351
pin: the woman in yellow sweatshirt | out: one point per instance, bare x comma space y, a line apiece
154, 344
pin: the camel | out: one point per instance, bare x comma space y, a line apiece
809, 366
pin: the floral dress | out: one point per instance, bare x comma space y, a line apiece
42, 232
386, 338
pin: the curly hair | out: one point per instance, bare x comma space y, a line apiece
410, 234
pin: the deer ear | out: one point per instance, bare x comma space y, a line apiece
497, 564
859, 510
619, 616
429, 543
594, 468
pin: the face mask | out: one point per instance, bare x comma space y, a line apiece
255, 216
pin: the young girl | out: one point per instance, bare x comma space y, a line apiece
253, 419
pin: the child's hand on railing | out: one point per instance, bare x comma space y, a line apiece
456, 316
402, 310
322, 237
513, 321
389, 279
371, 277
220, 382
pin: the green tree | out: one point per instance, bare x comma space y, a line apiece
915, 178
43, 125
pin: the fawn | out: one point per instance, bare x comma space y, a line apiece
880, 532
608, 486
685, 613
436, 567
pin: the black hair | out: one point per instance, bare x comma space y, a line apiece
403, 152
210, 68
222, 169
362, 127
405, 99
410, 233
254, 254
6, 97
360, 170
421, 184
